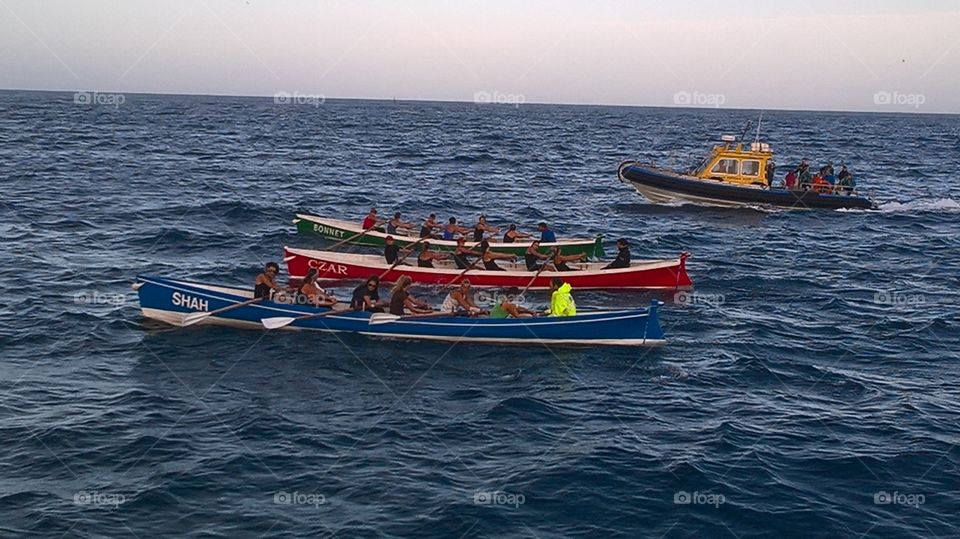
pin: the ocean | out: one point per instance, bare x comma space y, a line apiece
809, 387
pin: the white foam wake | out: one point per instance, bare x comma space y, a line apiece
934, 205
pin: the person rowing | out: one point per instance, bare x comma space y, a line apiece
371, 220
461, 252
401, 300
310, 292
490, 258
533, 256
391, 251
453, 229
506, 308
560, 260
397, 223
512, 235
266, 282
426, 257
623, 256
366, 297
461, 299
431, 224
481, 227
546, 235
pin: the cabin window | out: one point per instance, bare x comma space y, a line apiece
750, 168
725, 166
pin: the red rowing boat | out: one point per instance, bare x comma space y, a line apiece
669, 274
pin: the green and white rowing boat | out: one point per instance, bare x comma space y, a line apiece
339, 230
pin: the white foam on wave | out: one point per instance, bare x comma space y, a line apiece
931, 205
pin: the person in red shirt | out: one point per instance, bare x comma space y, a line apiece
371, 220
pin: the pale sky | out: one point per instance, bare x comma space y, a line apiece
879, 55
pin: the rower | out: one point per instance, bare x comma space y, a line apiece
513, 234
426, 231
397, 223
366, 297
452, 229
391, 251
461, 299
533, 256
561, 302
401, 300
371, 219
546, 235
266, 282
461, 252
623, 256
506, 308
490, 258
481, 227
310, 292
426, 257
560, 260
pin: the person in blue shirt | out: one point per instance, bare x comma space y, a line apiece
546, 235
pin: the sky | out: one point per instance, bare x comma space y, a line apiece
859, 55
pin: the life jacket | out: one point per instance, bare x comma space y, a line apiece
561, 302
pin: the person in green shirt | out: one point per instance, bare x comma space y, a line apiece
506, 307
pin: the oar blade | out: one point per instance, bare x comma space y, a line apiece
382, 318
277, 322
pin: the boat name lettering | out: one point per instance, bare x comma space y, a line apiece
327, 267
324, 230
190, 302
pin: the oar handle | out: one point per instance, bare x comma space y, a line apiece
537, 274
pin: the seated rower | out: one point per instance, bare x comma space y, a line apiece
561, 301
426, 257
505, 307
371, 220
481, 227
310, 292
461, 252
623, 256
266, 283
490, 258
546, 235
821, 185
512, 235
391, 251
560, 261
533, 256
453, 229
431, 224
461, 299
401, 301
366, 297
397, 223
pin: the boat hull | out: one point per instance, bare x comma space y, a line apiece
661, 186
169, 301
337, 230
670, 274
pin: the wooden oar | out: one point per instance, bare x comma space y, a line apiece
194, 318
464, 272
283, 321
386, 318
402, 258
351, 238
539, 271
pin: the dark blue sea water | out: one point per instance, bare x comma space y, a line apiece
810, 388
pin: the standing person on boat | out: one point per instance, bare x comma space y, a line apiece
452, 229
426, 257
770, 172
481, 227
804, 175
461, 299
401, 300
560, 261
561, 301
490, 258
546, 235
366, 297
512, 235
266, 282
397, 223
431, 224
505, 307
391, 251
461, 253
790, 181
623, 256
845, 183
310, 292
371, 220
533, 256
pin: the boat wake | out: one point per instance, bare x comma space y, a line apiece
924, 205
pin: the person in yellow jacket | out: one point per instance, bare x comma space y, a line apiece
561, 302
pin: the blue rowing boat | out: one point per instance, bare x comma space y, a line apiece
179, 303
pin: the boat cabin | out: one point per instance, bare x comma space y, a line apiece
733, 162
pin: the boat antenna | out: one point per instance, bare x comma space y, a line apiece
746, 130
759, 122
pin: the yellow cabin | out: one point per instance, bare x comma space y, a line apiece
731, 162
